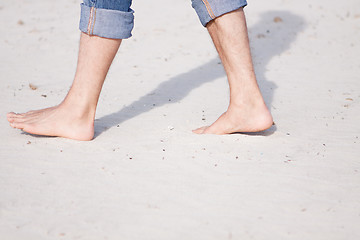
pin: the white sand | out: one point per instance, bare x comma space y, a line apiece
138, 179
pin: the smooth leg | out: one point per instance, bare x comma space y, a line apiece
247, 111
74, 117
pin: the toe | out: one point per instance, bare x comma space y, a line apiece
18, 125
200, 130
13, 115
10, 119
16, 119
10, 115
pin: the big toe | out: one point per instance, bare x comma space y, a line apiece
11, 116
200, 130
18, 125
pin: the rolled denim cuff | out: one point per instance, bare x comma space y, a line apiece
208, 10
106, 23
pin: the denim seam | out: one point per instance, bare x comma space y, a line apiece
92, 31
90, 20
208, 8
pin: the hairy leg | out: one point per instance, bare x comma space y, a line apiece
74, 117
247, 111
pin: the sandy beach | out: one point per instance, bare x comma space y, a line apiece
146, 176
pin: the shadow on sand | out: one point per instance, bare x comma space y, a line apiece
268, 38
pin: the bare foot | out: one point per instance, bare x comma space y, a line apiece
240, 119
59, 121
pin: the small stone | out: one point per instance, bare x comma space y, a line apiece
20, 22
32, 86
277, 19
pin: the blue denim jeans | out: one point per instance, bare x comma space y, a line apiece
115, 18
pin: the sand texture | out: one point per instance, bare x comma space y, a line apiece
146, 176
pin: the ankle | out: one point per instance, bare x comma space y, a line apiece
78, 110
247, 101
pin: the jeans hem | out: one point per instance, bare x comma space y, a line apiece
208, 10
106, 23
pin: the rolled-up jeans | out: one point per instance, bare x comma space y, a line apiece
115, 18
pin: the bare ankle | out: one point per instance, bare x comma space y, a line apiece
78, 111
